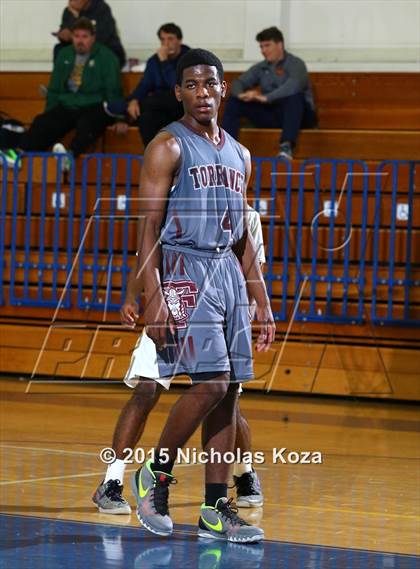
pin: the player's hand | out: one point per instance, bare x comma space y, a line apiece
158, 319
267, 333
133, 109
129, 313
248, 96
64, 35
259, 98
163, 53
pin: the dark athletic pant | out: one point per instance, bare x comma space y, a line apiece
51, 126
156, 111
291, 114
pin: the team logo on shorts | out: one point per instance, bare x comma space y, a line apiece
179, 296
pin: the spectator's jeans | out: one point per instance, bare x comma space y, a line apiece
52, 125
290, 114
156, 111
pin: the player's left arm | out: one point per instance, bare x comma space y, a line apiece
246, 252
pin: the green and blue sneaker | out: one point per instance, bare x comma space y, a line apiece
222, 522
151, 490
10, 157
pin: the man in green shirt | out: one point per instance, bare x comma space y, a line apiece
85, 75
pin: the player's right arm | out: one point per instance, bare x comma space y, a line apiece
129, 311
161, 161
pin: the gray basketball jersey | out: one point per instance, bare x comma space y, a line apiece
205, 206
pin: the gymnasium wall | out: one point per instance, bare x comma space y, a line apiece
329, 34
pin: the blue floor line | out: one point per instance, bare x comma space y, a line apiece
31, 542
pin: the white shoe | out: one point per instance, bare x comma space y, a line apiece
64, 159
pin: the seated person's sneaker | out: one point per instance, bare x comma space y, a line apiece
108, 498
151, 490
223, 522
285, 151
11, 157
65, 160
248, 490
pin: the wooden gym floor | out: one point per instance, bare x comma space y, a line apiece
363, 498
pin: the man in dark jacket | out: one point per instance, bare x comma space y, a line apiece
101, 16
152, 104
284, 99
85, 74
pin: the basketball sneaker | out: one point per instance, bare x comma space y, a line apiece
248, 490
151, 490
108, 498
223, 522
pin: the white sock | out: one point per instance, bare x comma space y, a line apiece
240, 468
115, 471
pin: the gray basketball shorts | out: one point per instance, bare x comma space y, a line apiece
206, 294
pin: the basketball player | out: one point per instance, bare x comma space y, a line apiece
195, 256
108, 496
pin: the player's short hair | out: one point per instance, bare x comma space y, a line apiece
198, 57
84, 24
170, 28
270, 34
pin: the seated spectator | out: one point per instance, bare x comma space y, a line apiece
152, 104
85, 74
11, 133
284, 99
101, 17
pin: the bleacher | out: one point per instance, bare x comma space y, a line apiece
361, 115
354, 276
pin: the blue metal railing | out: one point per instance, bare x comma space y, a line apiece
335, 271
3, 208
73, 236
33, 252
402, 236
114, 208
